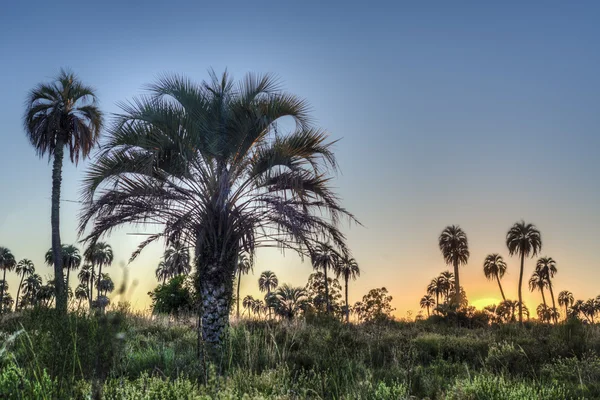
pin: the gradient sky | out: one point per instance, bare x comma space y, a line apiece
470, 114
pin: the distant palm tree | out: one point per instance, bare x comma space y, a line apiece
7, 302
100, 254
24, 268
31, 287
244, 266
538, 282
589, 309
324, 257
7, 263
543, 312
177, 257
566, 299
81, 293
290, 301
163, 272
448, 284
436, 287
86, 278
248, 303
547, 267
58, 115
348, 269
266, 283
577, 308
494, 267
105, 285
427, 302
71, 259
525, 240
455, 249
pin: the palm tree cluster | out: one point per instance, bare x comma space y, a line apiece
175, 261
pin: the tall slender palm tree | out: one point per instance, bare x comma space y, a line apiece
455, 249
547, 267
494, 267
538, 282
436, 287
99, 254
207, 162
62, 114
428, 302
347, 268
86, 277
24, 268
525, 240
324, 257
266, 283
244, 266
448, 284
7, 263
566, 299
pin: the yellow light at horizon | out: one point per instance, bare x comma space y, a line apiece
481, 303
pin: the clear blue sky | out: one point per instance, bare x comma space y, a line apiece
468, 114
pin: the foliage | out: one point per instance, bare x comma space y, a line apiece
375, 305
174, 297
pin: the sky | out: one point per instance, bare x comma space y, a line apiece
466, 113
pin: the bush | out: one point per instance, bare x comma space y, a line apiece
489, 387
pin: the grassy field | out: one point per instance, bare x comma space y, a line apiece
126, 356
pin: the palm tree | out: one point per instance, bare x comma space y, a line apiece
217, 174
24, 268
436, 287
105, 285
325, 257
100, 254
31, 287
290, 301
494, 267
266, 283
525, 240
58, 115
244, 266
71, 259
163, 272
347, 268
7, 263
566, 299
538, 282
7, 302
81, 293
86, 278
448, 284
248, 303
455, 249
547, 267
428, 302
543, 312
177, 257
589, 309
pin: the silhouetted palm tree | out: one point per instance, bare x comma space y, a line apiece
163, 272
248, 303
71, 259
31, 287
525, 240
348, 269
100, 254
215, 174
24, 268
448, 284
266, 283
290, 301
7, 263
324, 257
81, 293
87, 278
436, 287
58, 115
538, 282
427, 302
566, 299
244, 266
105, 285
177, 257
589, 309
494, 267
455, 249
547, 268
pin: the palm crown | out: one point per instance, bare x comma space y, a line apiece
494, 266
267, 281
455, 250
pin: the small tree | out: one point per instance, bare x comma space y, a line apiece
375, 306
173, 298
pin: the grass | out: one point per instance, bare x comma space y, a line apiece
126, 356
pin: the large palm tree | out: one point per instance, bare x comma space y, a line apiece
24, 268
525, 240
455, 249
566, 299
7, 263
209, 165
347, 268
177, 257
538, 282
324, 257
290, 301
494, 267
71, 259
99, 254
266, 283
244, 266
427, 302
60, 114
547, 268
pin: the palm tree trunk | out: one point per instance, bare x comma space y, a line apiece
428, 312
566, 312
437, 298
237, 313
2, 293
456, 284
19, 292
327, 292
520, 288
67, 284
61, 298
553, 303
214, 295
98, 280
544, 298
500, 286
347, 306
